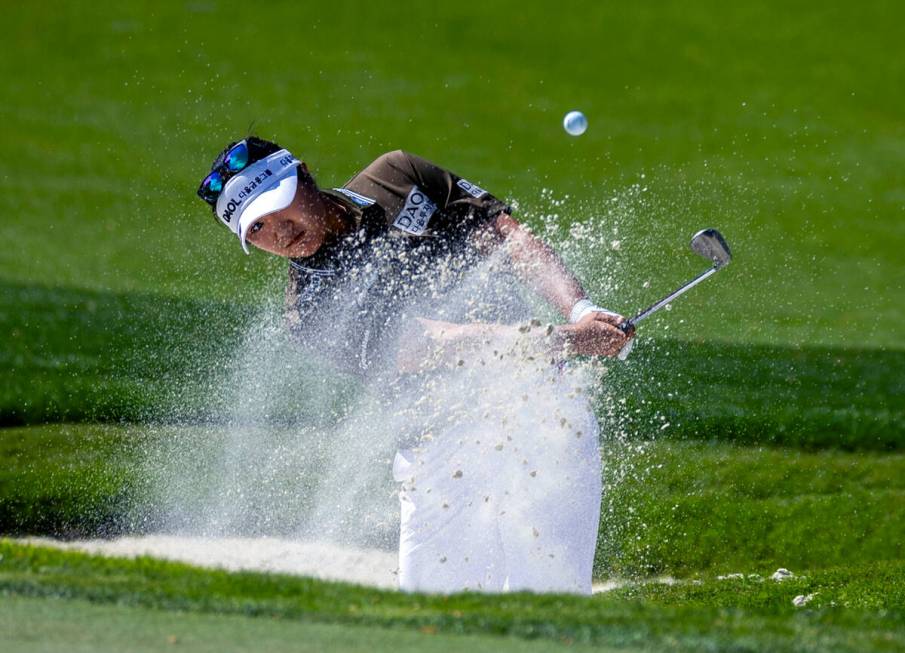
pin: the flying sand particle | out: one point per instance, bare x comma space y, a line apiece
802, 600
782, 574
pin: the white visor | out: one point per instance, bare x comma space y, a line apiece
264, 187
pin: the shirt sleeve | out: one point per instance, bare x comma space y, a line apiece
460, 204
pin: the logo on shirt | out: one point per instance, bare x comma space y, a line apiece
360, 200
471, 189
416, 213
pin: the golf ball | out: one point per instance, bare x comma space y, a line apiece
575, 123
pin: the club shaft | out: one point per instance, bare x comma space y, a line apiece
647, 312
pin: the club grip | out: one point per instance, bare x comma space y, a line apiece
626, 350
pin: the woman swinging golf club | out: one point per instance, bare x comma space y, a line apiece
366, 256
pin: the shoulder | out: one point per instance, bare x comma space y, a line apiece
394, 155
397, 159
397, 170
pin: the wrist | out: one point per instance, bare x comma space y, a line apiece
584, 306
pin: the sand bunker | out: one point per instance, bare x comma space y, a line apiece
370, 567
317, 560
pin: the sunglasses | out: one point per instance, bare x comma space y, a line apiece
235, 160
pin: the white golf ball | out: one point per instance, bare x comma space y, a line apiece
575, 123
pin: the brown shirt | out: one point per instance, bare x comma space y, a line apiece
412, 239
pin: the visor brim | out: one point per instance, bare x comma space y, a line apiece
274, 199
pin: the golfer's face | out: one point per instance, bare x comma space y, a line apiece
296, 231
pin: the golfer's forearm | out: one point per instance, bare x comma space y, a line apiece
540, 268
447, 343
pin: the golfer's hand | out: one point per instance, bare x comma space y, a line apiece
597, 334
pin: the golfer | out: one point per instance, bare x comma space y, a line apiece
374, 259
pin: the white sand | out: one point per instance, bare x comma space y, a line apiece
268, 554
369, 567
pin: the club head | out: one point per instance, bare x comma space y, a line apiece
710, 244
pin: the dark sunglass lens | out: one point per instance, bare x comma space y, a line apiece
237, 158
214, 182
211, 187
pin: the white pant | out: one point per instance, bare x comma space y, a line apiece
504, 503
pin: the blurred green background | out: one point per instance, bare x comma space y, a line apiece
779, 123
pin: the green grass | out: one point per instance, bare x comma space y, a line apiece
779, 123
855, 608
83, 355
676, 507
103, 356
805, 397
66, 480
771, 397
76, 626
122, 298
679, 508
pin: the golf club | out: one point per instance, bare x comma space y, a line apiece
710, 244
